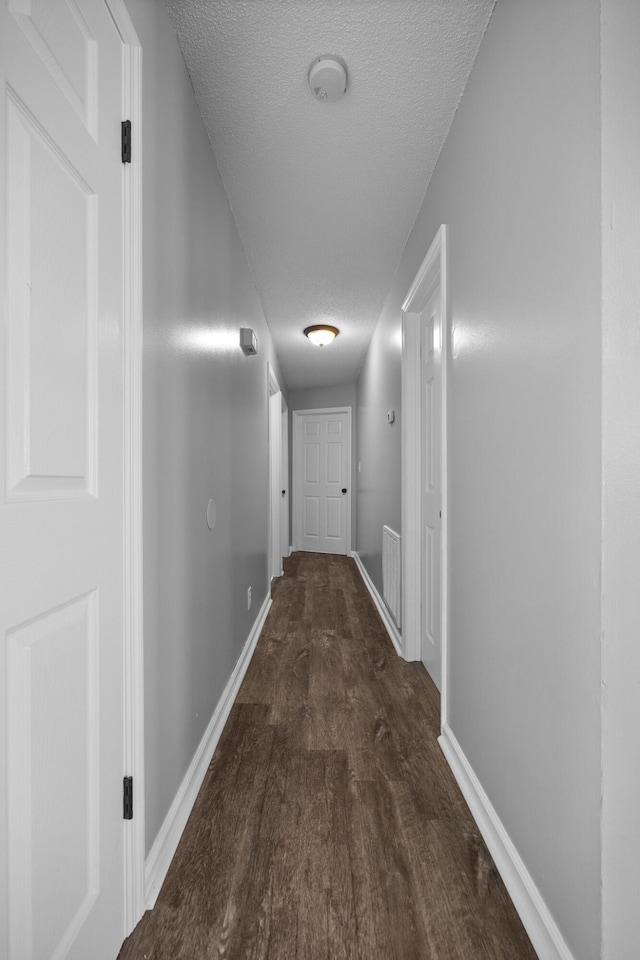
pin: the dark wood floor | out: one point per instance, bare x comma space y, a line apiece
329, 825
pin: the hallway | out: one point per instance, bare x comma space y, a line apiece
329, 824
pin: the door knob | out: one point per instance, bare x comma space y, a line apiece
344, 489
283, 492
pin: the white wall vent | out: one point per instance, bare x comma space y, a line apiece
391, 573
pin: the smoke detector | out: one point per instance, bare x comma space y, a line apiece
328, 78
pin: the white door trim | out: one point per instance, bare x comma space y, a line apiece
134, 833
275, 466
285, 534
433, 271
296, 478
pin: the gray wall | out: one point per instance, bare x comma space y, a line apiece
379, 449
205, 423
317, 397
313, 398
621, 478
519, 183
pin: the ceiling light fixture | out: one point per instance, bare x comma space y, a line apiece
328, 78
321, 334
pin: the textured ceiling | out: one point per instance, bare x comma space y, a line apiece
325, 194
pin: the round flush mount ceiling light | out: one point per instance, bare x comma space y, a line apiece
321, 334
328, 78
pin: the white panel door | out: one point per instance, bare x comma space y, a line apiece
322, 494
61, 505
431, 405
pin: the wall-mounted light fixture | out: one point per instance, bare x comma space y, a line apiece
321, 333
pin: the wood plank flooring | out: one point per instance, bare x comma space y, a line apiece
329, 826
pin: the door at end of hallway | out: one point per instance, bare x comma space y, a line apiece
322, 480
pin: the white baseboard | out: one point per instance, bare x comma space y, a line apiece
165, 845
381, 606
543, 931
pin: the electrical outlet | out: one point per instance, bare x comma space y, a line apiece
248, 598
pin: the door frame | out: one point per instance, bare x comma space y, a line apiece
275, 467
134, 829
285, 538
434, 270
296, 487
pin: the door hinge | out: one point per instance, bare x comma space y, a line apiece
126, 141
127, 798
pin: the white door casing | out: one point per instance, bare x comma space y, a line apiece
322, 480
431, 470
275, 479
285, 541
432, 275
134, 853
66, 480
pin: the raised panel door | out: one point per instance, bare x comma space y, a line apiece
61, 499
322, 499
